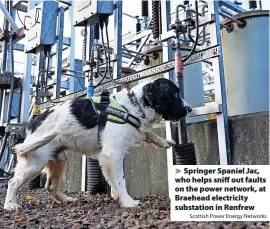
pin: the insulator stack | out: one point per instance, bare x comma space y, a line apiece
96, 32
34, 183
252, 5
145, 8
138, 29
185, 154
94, 177
155, 18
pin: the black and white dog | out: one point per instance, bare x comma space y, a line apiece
73, 127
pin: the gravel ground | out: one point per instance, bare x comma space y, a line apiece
39, 211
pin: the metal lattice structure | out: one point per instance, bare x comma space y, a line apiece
55, 77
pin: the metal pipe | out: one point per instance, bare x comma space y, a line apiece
20, 101
9, 18
142, 54
47, 50
232, 6
134, 17
193, 11
225, 26
4, 44
4, 59
231, 18
59, 51
226, 11
125, 52
2, 92
11, 90
66, 74
203, 30
3, 145
260, 4
68, 70
197, 32
130, 62
177, 10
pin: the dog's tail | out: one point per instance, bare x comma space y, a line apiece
26, 147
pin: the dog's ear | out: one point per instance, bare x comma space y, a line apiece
155, 95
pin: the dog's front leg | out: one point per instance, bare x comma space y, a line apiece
112, 168
151, 137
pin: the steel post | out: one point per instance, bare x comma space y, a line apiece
167, 55
220, 88
4, 44
9, 18
4, 58
58, 70
72, 80
117, 46
26, 80
87, 160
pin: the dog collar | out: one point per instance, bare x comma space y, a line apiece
135, 102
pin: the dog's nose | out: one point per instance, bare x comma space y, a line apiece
189, 109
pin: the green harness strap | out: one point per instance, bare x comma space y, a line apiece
115, 105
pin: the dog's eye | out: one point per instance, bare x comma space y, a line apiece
176, 95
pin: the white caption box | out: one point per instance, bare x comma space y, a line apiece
220, 193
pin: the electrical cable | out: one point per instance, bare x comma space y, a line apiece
101, 23
197, 32
108, 46
47, 51
20, 18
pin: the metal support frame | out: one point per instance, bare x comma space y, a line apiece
58, 70
138, 49
220, 88
167, 55
9, 18
117, 43
26, 80
90, 36
4, 61
130, 39
118, 23
72, 80
232, 6
41, 67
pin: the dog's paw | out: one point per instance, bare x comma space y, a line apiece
170, 142
114, 194
12, 206
166, 144
68, 199
130, 203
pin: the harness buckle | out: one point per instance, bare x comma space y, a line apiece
105, 97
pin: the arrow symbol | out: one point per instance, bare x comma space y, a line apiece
177, 170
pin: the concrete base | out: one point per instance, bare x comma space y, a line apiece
146, 169
71, 180
146, 166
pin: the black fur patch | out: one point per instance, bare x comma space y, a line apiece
17, 137
85, 113
60, 149
20, 136
164, 97
37, 121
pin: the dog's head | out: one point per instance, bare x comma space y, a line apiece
163, 96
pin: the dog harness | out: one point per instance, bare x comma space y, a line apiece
111, 111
